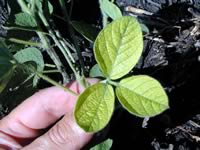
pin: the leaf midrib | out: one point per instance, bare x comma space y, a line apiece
104, 86
121, 39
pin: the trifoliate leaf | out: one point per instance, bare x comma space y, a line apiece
88, 31
95, 71
25, 20
106, 145
110, 9
118, 47
94, 107
31, 54
142, 96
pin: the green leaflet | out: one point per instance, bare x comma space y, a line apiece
95, 71
106, 145
118, 47
110, 9
88, 31
142, 95
94, 107
25, 20
31, 54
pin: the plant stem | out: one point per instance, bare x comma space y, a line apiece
19, 41
71, 7
24, 7
58, 44
104, 19
104, 16
112, 82
62, 41
46, 78
71, 31
50, 65
53, 55
51, 71
24, 29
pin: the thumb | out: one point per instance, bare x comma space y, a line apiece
66, 134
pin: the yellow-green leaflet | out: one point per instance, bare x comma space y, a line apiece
142, 96
106, 145
118, 47
95, 107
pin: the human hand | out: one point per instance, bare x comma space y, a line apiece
22, 128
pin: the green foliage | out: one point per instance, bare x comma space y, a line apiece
5, 79
142, 95
25, 20
7, 65
95, 71
106, 145
95, 107
88, 31
41, 4
31, 54
110, 9
118, 47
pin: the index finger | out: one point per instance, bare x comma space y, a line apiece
39, 111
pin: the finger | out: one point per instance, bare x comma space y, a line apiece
39, 111
66, 134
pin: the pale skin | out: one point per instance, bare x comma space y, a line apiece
23, 127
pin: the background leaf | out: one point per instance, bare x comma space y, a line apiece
7, 66
88, 31
31, 54
118, 47
144, 28
43, 6
106, 145
6, 62
142, 96
110, 9
94, 107
95, 71
5, 79
25, 20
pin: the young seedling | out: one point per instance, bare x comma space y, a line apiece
117, 49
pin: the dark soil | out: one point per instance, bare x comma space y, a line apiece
171, 54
